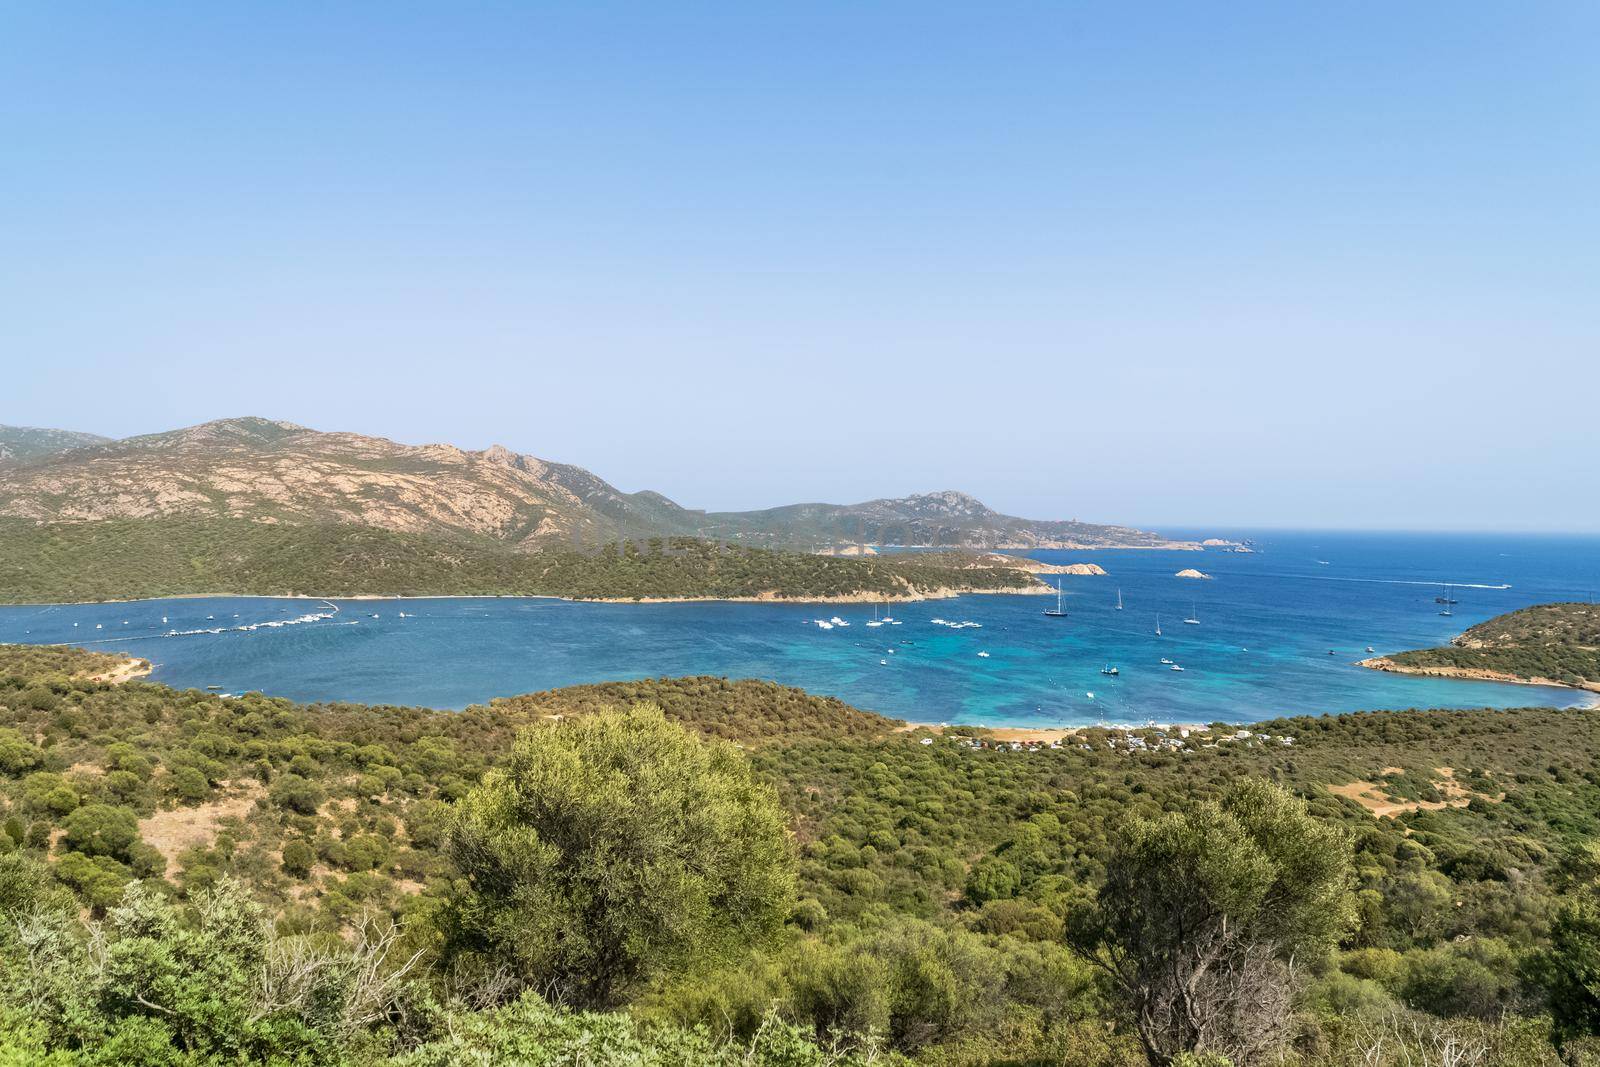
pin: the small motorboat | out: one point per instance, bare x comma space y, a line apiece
1174, 667
983, 655
1371, 649
1165, 660
1112, 671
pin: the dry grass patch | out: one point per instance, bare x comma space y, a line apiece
1377, 800
172, 832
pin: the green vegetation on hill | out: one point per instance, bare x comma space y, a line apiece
338, 883
134, 558
1558, 642
746, 712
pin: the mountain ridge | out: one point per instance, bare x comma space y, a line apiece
19, 444
268, 470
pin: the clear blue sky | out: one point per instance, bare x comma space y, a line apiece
1183, 263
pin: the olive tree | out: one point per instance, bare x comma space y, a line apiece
1206, 914
612, 847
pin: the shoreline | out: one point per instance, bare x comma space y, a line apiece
1048, 734
1054, 546
943, 593
1479, 674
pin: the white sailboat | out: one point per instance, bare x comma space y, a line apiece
1158, 624
1194, 615
1119, 599
1059, 613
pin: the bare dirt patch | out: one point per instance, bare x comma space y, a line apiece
171, 832
1371, 795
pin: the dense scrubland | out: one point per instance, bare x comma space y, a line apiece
698, 871
123, 559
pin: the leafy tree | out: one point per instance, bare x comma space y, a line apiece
101, 830
614, 847
297, 794
1205, 913
188, 784
18, 755
99, 879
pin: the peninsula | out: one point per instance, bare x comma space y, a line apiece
1547, 644
130, 559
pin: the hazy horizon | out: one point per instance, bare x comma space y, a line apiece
1285, 267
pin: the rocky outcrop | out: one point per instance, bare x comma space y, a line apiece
1031, 566
1192, 573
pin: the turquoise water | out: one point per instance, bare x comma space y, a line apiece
1267, 624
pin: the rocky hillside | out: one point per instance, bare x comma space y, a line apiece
266, 471
19, 444
277, 472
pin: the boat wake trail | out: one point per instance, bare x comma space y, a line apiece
1396, 581
271, 624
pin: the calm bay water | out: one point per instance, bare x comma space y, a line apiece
1267, 623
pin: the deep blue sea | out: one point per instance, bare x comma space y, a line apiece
1268, 622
